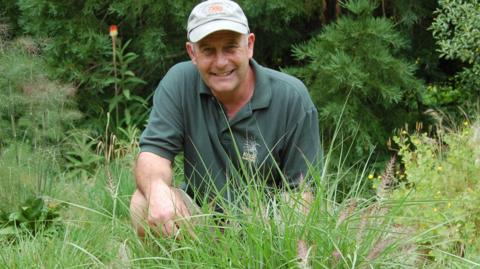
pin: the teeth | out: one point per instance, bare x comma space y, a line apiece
224, 73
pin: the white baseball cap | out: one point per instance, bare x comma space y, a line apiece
215, 15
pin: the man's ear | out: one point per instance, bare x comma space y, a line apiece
251, 43
191, 52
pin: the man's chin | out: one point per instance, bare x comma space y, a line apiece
221, 88
221, 91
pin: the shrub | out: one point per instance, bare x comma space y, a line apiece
456, 30
442, 176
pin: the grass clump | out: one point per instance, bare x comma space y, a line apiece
39, 110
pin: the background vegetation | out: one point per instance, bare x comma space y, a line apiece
389, 78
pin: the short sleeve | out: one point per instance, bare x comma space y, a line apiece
164, 133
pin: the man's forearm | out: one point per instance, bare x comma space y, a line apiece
151, 172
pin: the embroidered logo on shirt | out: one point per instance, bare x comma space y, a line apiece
250, 151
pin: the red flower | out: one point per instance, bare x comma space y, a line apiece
113, 30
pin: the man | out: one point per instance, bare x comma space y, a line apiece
224, 112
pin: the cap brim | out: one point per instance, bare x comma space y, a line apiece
202, 31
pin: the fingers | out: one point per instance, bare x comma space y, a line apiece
185, 222
164, 226
170, 217
169, 228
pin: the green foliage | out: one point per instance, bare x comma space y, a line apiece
33, 216
156, 28
128, 109
412, 18
8, 15
26, 172
114, 189
441, 178
39, 110
4, 31
409, 13
456, 30
443, 96
81, 52
81, 154
77, 41
356, 78
269, 20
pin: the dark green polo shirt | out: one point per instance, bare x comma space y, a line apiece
274, 137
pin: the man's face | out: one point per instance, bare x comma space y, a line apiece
222, 59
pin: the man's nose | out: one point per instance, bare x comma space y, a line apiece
221, 59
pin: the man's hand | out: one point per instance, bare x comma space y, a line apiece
166, 209
155, 201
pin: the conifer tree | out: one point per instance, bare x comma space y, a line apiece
357, 79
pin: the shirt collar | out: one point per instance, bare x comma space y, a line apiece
262, 93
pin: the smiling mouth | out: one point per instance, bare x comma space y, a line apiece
223, 74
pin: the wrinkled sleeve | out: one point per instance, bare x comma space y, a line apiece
302, 153
164, 134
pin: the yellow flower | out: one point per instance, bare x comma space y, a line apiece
449, 205
439, 168
379, 177
435, 209
465, 123
370, 176
404, 132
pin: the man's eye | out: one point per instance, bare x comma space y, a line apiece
207, 51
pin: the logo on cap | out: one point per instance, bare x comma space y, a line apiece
215, 9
